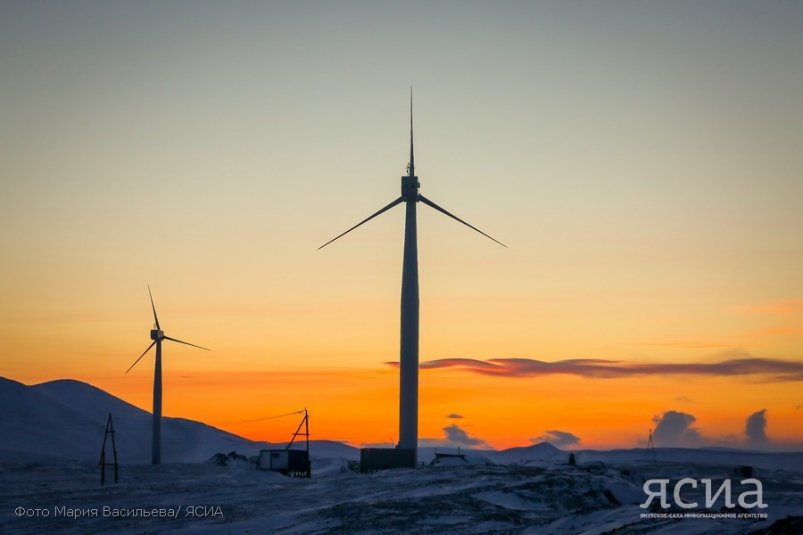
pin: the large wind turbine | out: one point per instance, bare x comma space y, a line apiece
157, 335
408, 366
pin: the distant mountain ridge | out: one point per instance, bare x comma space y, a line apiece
542, 451
65, 419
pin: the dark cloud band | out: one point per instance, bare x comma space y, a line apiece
777, 370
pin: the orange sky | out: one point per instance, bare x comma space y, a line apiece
360, 405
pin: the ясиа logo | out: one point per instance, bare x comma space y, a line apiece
751, 493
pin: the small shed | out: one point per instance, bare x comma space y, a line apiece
449, 459
285, 461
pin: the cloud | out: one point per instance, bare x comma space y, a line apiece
454, 416
453, 436
689, 344
674, 429
559, 439
779, 370
756, 428
458, 436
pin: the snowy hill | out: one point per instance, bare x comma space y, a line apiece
182, 440
543, 452
330, 449
36, 426
65, 419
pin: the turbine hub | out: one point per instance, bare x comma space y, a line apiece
157, 334
409, 188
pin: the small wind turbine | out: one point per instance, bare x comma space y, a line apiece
157, 335
408, 362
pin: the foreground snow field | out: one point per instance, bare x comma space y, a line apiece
478, 498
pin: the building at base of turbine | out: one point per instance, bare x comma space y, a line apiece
373, 459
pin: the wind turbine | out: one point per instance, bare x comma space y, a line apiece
408, 361
157, 335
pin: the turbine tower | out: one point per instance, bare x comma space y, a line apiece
157, 335
408, 361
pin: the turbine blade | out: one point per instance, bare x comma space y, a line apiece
443, 211
142, 355
386, 208
155, 317
186, 343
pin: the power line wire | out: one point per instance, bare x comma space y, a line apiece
266, 418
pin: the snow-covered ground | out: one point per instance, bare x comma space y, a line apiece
474, 498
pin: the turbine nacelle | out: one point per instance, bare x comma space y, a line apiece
157, 335
409, 188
